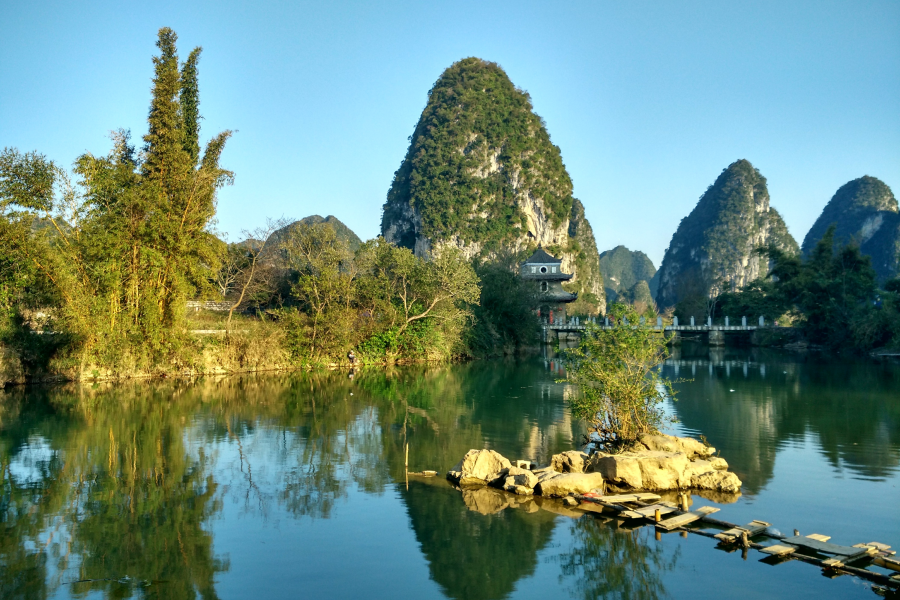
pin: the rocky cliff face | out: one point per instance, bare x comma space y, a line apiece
622, 269
481, 174
713, 249
864, 212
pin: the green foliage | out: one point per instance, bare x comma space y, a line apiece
476, 117
505, 318
130, 239
381, 300
616, 371
832, 294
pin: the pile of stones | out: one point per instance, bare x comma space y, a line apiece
654, 463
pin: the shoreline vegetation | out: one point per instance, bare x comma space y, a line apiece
98, 263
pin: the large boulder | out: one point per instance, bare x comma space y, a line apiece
518, 481
572, 461
570, 483
717, 481
651, 470
670, 443
478, 467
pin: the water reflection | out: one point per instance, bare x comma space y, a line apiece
608, 560
750, 405
118, 490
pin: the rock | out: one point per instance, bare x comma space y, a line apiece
649, 471
670, 443
718, 464
569, 483
478, 467
514, 478
698, 467
570, 501
572, 461
484, 500
719, 481
520, 490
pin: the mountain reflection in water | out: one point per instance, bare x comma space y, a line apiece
168, 489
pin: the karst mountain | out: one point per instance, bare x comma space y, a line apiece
713, 249
864, 212
482, 175
623, 270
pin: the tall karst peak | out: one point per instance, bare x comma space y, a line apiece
713, 248
481, 174
864, 212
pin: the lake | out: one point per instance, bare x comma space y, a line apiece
287, 486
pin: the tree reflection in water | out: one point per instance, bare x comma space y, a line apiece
607, 561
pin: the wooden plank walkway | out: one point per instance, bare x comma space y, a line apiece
685, 518
820, 543
633, 508
752, 528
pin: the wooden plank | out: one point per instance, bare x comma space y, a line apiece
887, 563
819, 537
751, 529
649, 512
686, 518
621, 498
882, 549
778, 550
832, 563
847, 552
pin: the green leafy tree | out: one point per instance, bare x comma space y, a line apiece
616, 371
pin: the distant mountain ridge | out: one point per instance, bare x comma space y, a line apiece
623, 269
864, 212
342, 232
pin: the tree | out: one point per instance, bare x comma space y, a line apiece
620, 388
248, 267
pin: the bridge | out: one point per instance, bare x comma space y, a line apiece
569, 330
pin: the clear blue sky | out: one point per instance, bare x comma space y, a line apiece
648, 101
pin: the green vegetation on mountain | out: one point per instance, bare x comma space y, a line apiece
341, 231
588, 280
622, 269
482, 175
713, 249
864, 212
477, 148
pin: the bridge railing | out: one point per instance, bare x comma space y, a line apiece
605, 322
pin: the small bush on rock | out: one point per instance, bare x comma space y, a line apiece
620, 390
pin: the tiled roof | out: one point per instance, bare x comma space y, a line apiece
540, 256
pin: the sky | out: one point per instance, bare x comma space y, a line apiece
647, 101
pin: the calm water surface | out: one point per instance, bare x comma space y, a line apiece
293, 486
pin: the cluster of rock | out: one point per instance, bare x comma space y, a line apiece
653, 463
